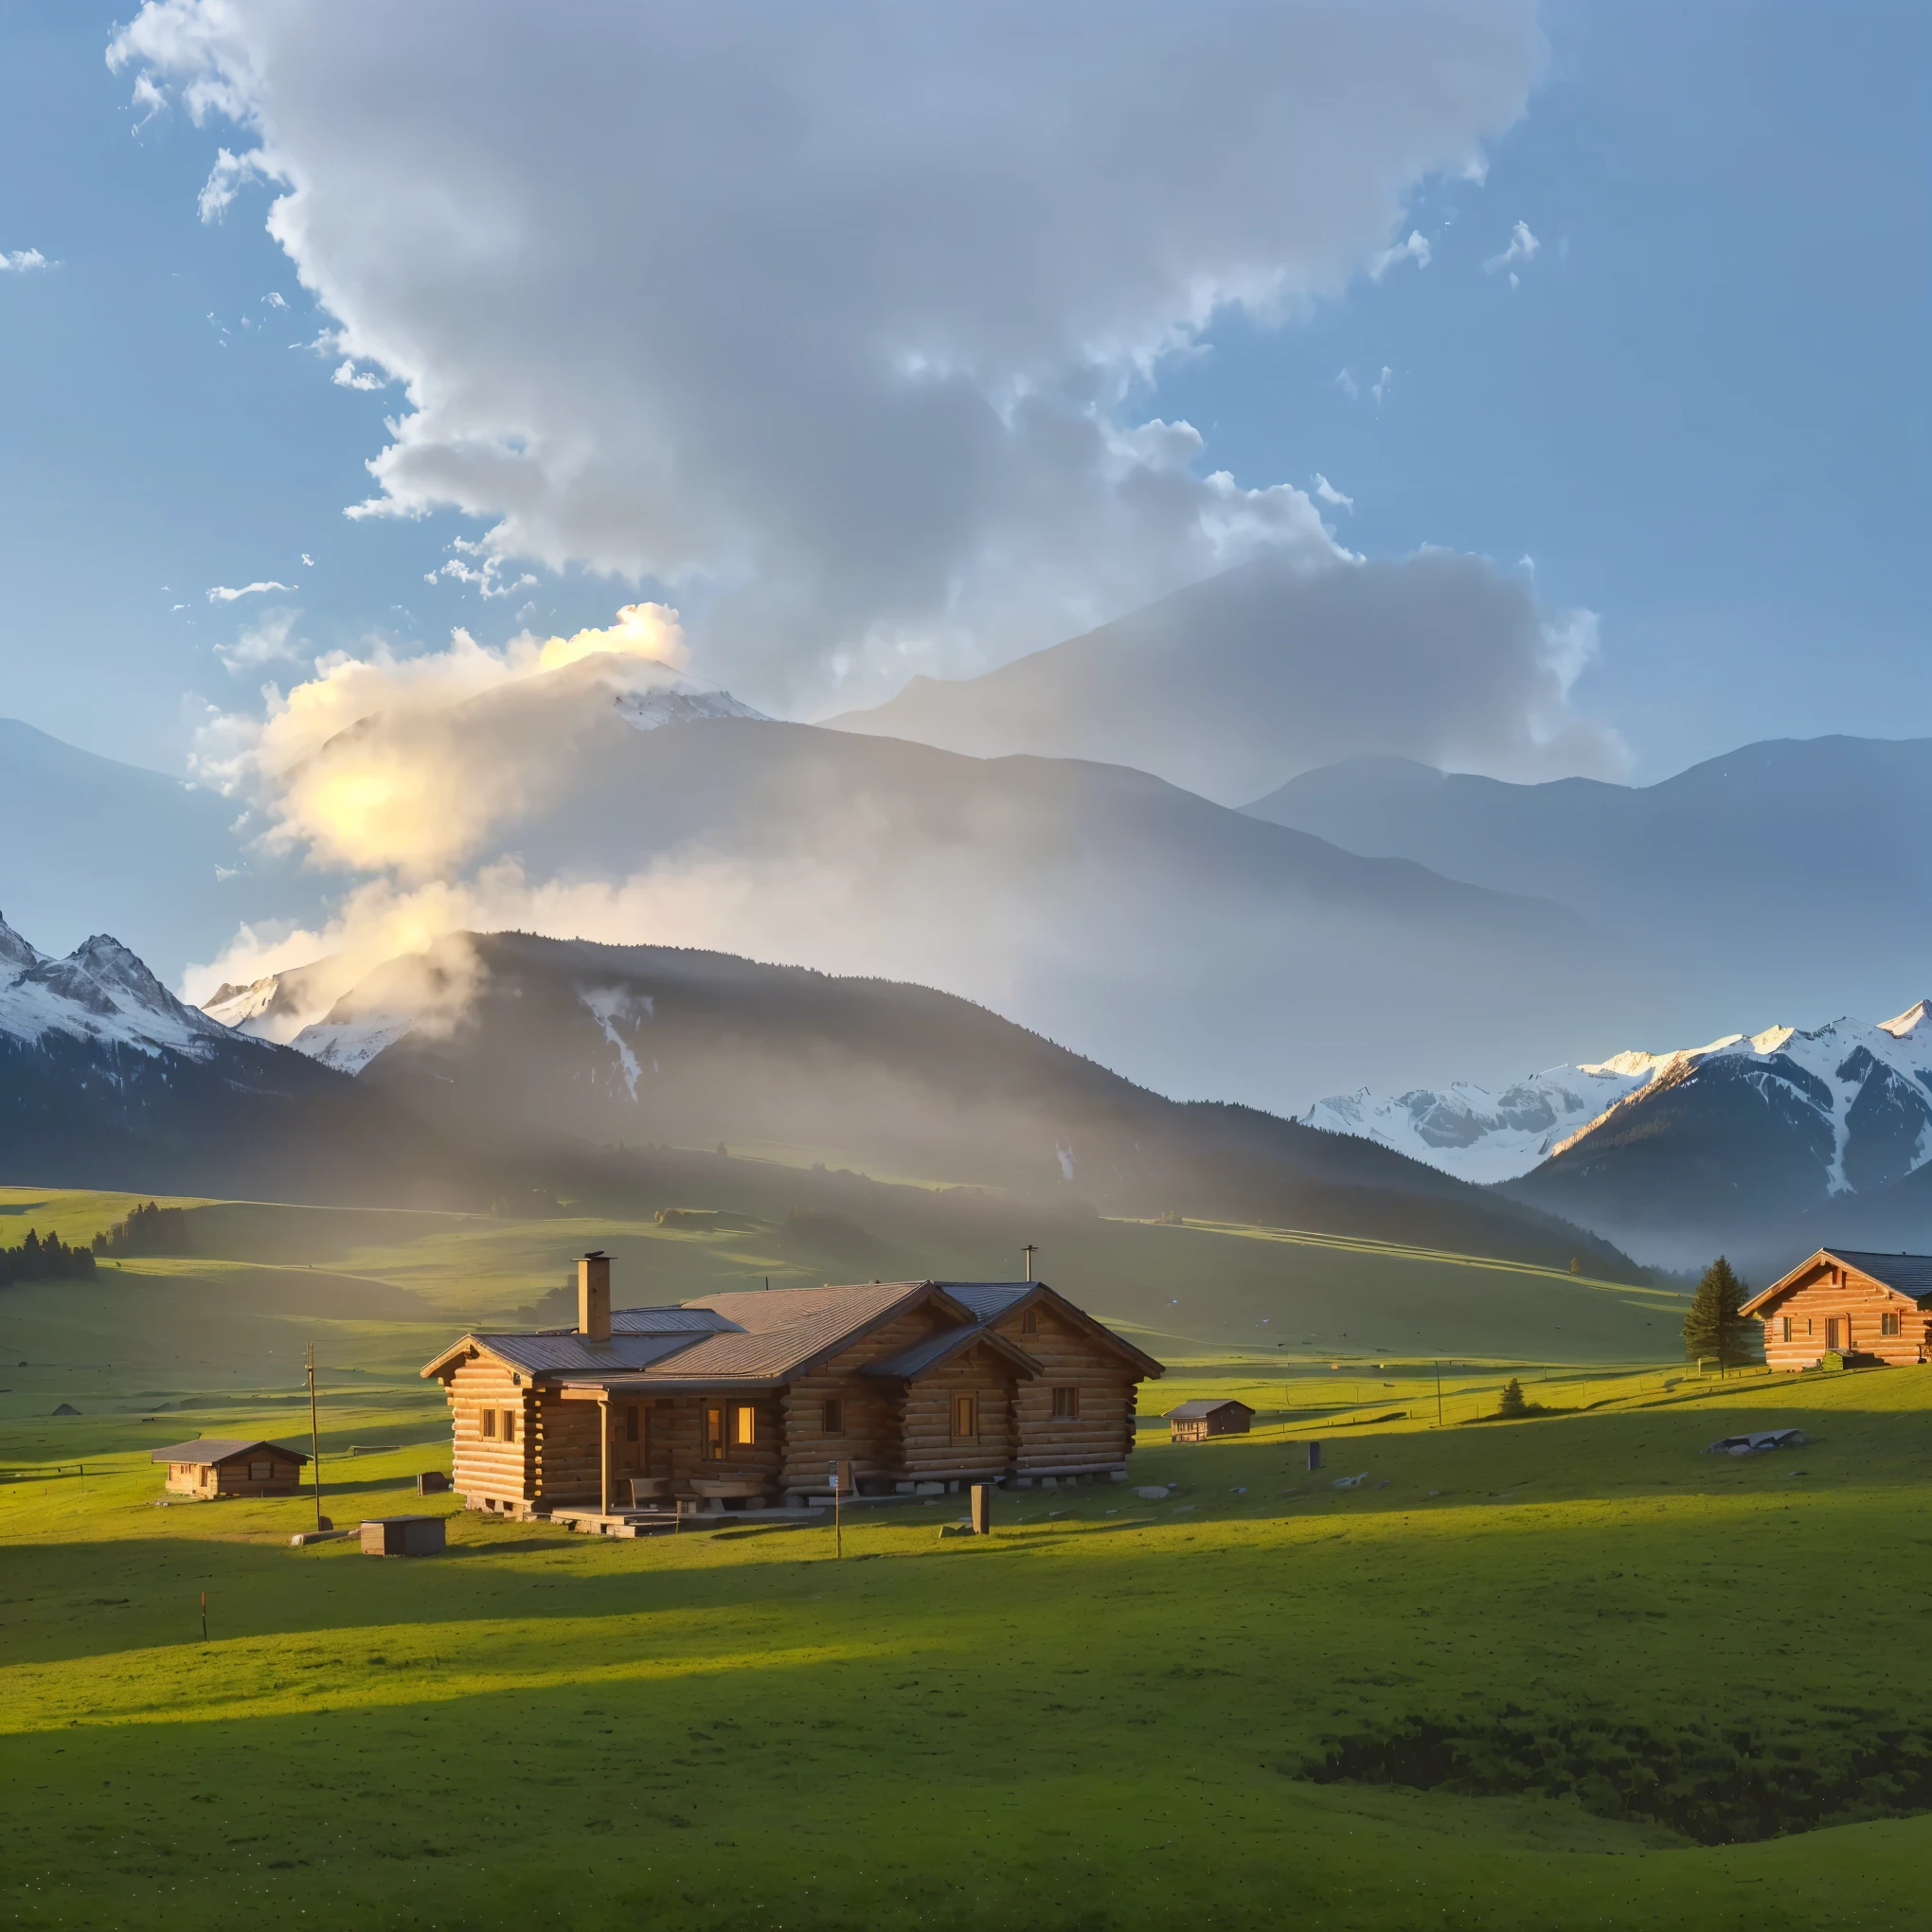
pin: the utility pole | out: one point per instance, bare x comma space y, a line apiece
314, 1440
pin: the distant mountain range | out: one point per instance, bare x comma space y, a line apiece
1479, 1135
1787, 877
1762, 1142
1192, 947
106, 1079
1736, 1143
1229, 684
514, 1043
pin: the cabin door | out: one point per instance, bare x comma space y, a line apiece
1832, 1326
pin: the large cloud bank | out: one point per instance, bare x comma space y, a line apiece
831, 316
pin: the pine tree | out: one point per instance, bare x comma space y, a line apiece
1512, 1403
1715, 1325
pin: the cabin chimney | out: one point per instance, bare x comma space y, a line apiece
1031, 1251
594, 1297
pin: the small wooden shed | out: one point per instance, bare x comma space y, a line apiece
1194, 1421
227, 1466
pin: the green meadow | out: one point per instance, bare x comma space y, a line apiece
1563, 1671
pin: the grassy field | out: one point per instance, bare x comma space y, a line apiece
1233, 1705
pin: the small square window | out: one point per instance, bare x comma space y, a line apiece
490, 1425
510, 1425
261, 1472
1888, 1324
1065, 1404
834, 1420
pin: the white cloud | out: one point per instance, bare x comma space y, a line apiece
149, 98
227, 178
23, 260
264, 641
842, 333
350, 377
1327, 494
1415, 249
1345, 383
274, 301
418, 794
1523, 244
1380, 386
482, 569
221, 593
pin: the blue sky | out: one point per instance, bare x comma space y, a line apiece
1701, 410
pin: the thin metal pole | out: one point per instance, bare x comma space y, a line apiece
1438, 1391
314, 1440
837, 1527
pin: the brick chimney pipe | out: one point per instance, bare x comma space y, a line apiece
594, 1298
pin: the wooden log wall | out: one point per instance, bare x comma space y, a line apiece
568, 1453
869, 1441
1103, 1434
487, 1468
1857, 1303
930, 1449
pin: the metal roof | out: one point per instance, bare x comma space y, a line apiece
1203, 1406
1908, 1274
753, 1338
934, 1348
1903, 1274
989, 1298
668, 1321
219, 1449
575, 1355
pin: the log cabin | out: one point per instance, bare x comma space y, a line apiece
1864, 1308
754, 1398
1196, 1421
228, 1466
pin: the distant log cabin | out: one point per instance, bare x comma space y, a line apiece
751, 1398
1865, 1308
227, 1466
1194, 1421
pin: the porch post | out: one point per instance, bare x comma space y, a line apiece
604, 1455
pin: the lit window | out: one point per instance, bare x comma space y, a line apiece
833, 1424
489, 1424
714, 1432
965, 1417
510, 1425
744, 1425
1065, 1404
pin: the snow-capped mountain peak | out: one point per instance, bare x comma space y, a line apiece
1865, 1090
1903, 1026
100, 991
15, 953
679, 704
